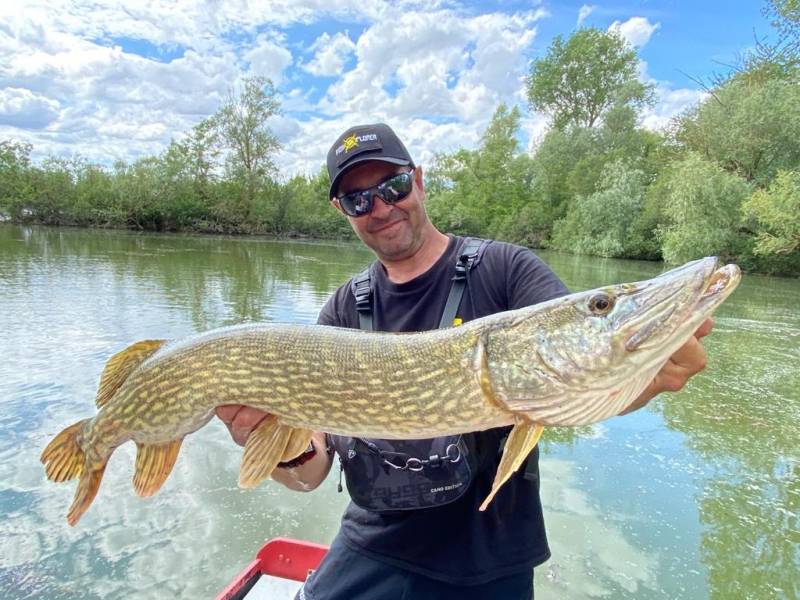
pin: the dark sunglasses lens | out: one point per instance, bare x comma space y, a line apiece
392, 190
356, 204
396, 188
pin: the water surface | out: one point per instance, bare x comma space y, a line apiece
696, 496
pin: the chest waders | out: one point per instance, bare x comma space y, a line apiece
396, 475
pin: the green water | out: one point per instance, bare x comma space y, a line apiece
696, 496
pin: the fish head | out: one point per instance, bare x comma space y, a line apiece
587, 356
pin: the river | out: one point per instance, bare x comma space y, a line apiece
696, 496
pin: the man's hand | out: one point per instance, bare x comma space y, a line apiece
687, 361
240, 420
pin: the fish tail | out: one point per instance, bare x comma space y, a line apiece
87, 488
65, 459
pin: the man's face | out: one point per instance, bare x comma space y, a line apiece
393, 231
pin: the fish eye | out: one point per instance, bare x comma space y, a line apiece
601, 304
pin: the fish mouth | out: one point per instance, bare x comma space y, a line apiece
674, 304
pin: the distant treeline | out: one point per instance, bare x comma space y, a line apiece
723, 178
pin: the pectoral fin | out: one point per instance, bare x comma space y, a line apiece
265, 448
154, 463
521, 441
298, 442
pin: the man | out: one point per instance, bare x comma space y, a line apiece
403, 544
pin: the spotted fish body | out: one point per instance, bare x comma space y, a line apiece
571, 361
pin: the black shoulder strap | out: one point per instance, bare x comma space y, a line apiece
468, 259
362, 290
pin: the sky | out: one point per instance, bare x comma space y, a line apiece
109, 80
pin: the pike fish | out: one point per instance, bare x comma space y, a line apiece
572, 361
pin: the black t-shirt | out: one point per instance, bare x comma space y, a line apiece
456, 542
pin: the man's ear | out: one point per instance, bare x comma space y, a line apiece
335, 204
419, 180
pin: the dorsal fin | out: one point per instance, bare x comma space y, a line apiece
121, 365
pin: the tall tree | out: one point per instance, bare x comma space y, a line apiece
579, 80
242, 124
749, 126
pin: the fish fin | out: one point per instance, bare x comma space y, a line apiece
521, 441
264, 449
63, 457
154, 463
121, 365
87, 488
298, 442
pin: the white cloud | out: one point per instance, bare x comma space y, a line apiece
331, 54
584, 12
26, 109
111, 80
669, 104
268, 58
449, 65
636, 30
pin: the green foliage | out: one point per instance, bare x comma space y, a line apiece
777, 211
309, 212
16, 190
749, 127
601, 223
579, 80
702, 204
478, 192
785, 16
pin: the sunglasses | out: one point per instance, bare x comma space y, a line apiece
391, 190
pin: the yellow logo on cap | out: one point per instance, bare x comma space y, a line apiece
350, 143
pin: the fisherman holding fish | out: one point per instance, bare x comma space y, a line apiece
413, 528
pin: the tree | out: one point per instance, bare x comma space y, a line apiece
579, 80
600, 224
242, 125
751, 127
475, 192
777, 211
15, 179
785, 16
703, 207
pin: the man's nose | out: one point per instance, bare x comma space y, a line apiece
379, 207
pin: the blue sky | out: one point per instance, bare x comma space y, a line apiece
108, 80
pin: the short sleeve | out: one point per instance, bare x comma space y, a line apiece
327, 316
339, 310
530, 281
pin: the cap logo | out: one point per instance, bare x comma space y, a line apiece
351, 142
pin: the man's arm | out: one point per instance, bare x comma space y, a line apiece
241, 420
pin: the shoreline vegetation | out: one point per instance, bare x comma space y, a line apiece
722, 179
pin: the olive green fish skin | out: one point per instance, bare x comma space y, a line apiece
315, 377
555, 364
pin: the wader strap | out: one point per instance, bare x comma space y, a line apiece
469, 257
362, 290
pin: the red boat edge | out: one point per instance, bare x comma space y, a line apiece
285, 558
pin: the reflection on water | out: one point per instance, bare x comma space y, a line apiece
695, 497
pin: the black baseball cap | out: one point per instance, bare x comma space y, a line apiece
362, 143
